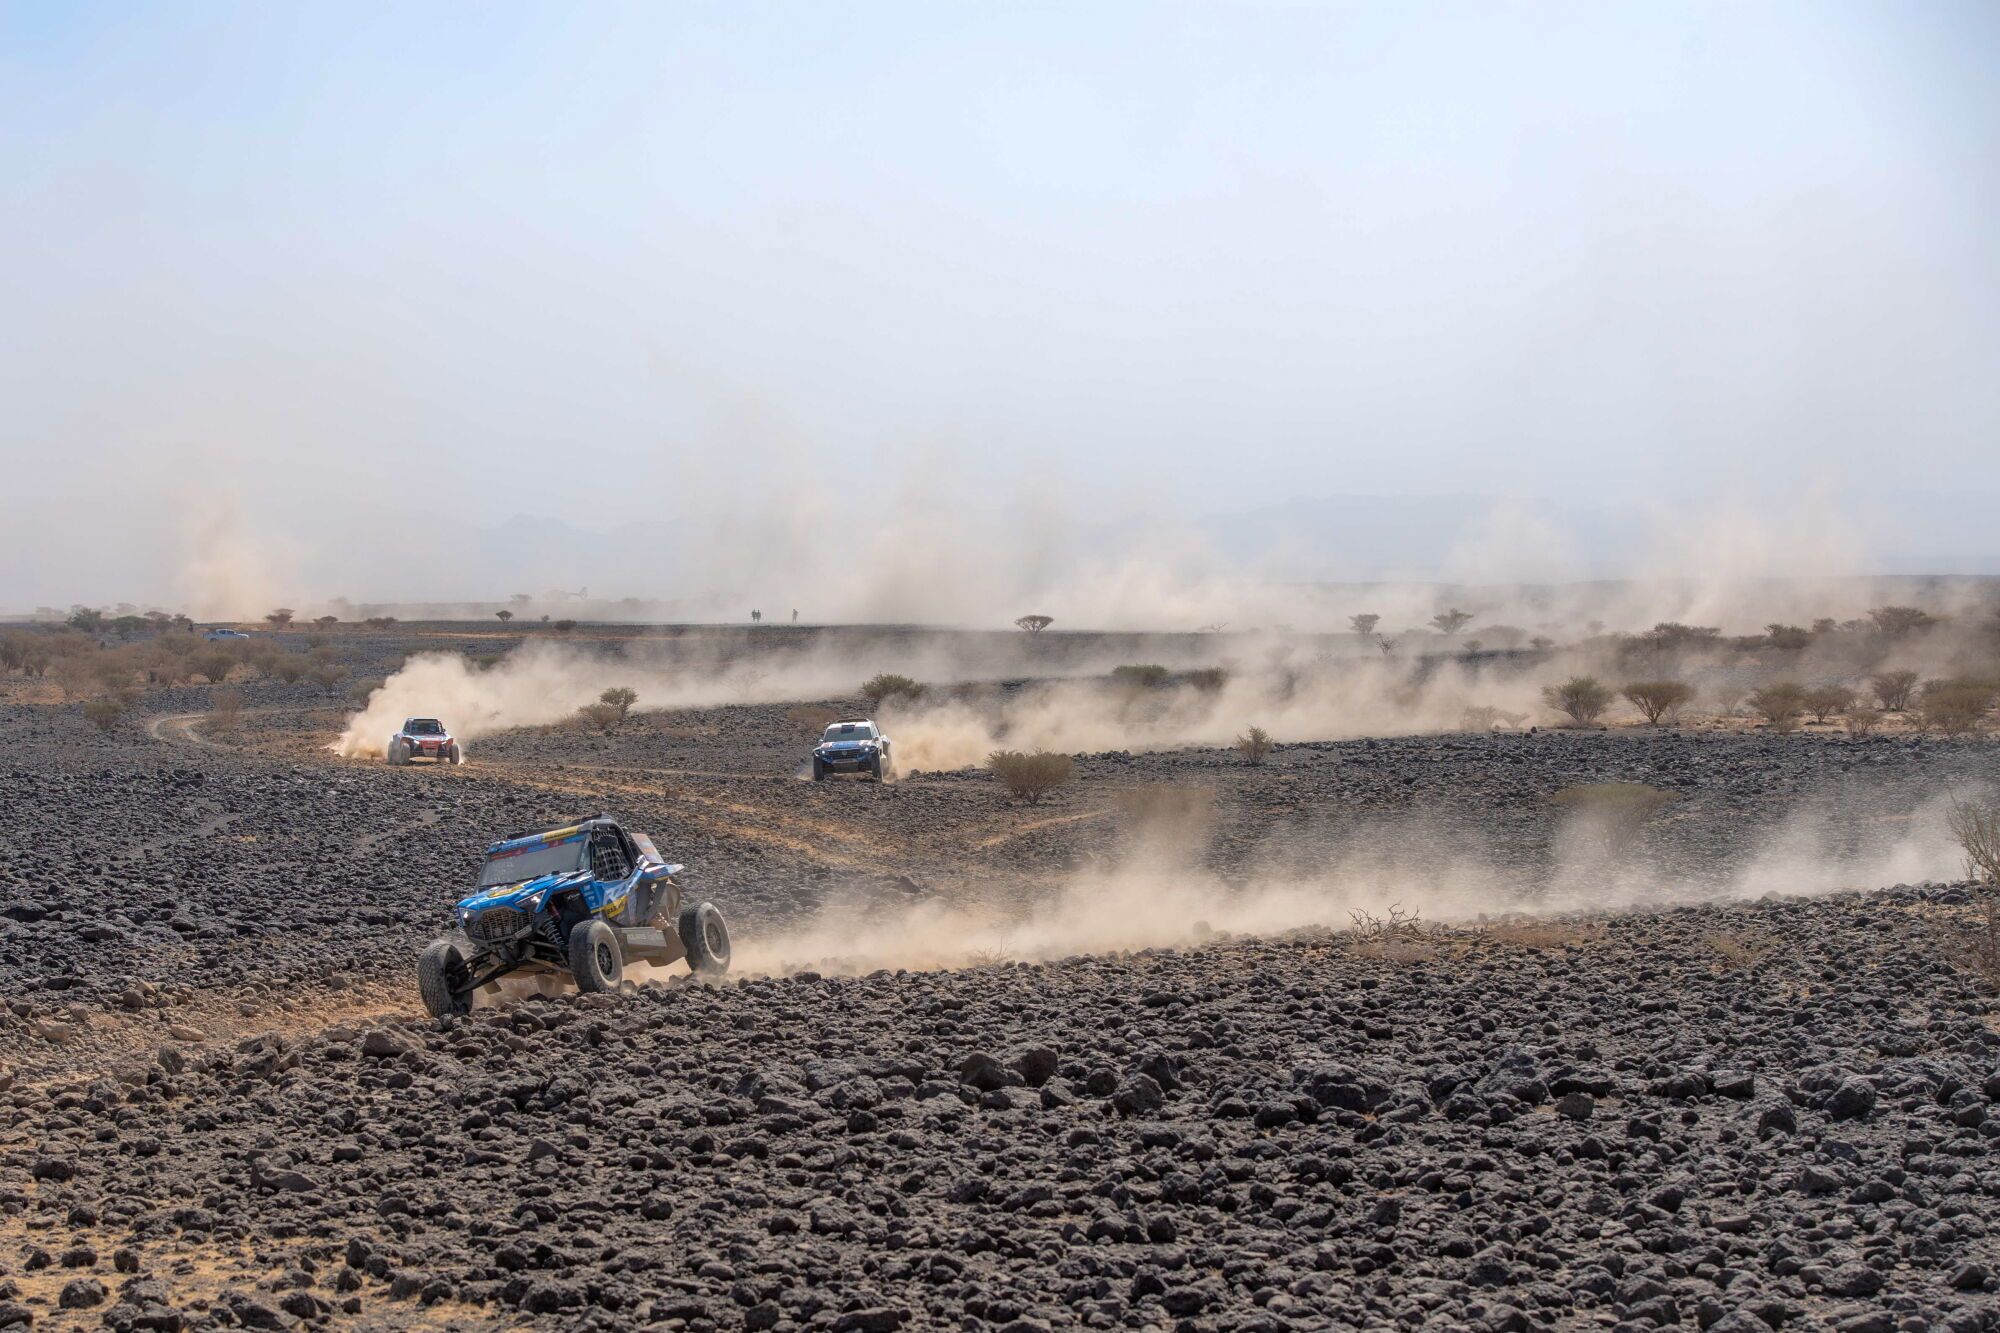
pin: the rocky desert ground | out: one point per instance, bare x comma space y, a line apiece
1165, 1050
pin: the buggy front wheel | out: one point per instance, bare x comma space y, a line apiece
594, 959
443, 979
705, 939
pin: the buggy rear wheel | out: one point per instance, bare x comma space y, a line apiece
705, 938
397, 754
451, 754
444, 980
594, 959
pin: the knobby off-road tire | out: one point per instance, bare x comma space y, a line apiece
441, 979
398, 754
451, 755
875, 767
705, 938
594, 959
819, 770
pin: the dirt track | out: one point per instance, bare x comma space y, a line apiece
216, 1064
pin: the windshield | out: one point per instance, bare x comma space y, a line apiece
532, 861
424, 726
850, 731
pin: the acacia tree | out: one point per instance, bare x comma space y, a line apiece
1034, 624
279, 618
1582, 698
504, 615
1364, 624
1658, 699
1452, 621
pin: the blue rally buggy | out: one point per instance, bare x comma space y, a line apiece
581, 899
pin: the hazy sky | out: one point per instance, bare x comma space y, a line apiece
607, 262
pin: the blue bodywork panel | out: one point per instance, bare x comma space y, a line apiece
607, 898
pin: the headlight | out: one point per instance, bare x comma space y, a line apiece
465, 916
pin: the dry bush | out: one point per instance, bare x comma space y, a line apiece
360, 691
1739, 949
1862, 720
1209, 680
1976, 947
1137, 677
290, 668
1780, 704
604, 716
1395, 924
1976, 826
1479, 717
1580, 697
564, 626
1255, 745
1548, 934
1955, 706
1897, 622
888, 685
104, 713
1725, 699
1823, 701
1893, 689
1658, 699
213, 664
988, 957
1030, 776
621, 698
225, 711
811, 719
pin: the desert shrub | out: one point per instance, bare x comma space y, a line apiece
1725, 699
213, 665
1954, 706
327, 675
1658, 699
1611, 813
359, 692
1779, 704
1823, 701
1254, 745
621, 698
812, 719
1581, 698
1140, 677
1787, 637
327, 620
290, 668
225, 710
1209, 680
1893, 689
1479, 717
1862, 720
1976, 826
564, 626
604, 716
1030, 776
887, 686
1034, 624
1395, 925
1976, 947
1897, 622
104, 713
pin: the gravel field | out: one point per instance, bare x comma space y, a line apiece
1726, 1074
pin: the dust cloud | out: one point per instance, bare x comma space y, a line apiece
1162, 896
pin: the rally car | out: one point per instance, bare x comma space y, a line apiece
851, 747
423, 738
581, 899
